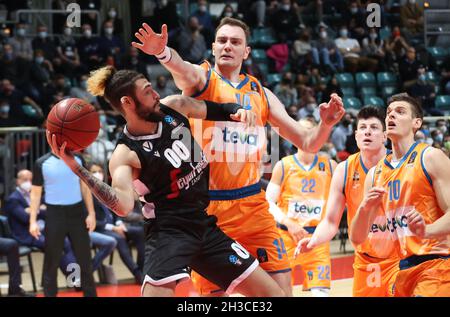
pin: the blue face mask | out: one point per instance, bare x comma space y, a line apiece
4, 109
439, 138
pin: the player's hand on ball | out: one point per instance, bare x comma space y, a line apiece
150, 42
60, 151
245, 116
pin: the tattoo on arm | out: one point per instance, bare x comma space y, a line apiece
101, 190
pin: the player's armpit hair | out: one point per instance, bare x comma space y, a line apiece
98, 79
101, 190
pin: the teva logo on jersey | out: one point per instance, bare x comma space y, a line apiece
395, 221
311, 209
230, 136
391, 224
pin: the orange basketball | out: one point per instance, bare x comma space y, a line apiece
75, 121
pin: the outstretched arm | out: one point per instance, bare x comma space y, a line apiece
305, 139
120, 196
204, 109
188, 77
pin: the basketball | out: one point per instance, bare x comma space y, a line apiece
75, 121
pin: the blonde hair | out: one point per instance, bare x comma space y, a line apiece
98, 79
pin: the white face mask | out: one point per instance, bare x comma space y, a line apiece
202, 8
112, 14
98, 175
286, 7
43, 35
88, 33
4, 109
344, 32
323, 34
109, 31
21, 32
373, 36
68, 31
26, 186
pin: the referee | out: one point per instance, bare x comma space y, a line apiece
65, 216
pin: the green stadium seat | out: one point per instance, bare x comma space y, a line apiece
442, 102
345, 80
259, 56
439, 53
365, 79
388, 91
374, 101
352, 102
264, 68
432, 77
386, 79
273, 79
348, 92
367, 91
385, 33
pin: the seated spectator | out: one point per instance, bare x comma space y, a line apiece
332, 87
205, 21
10, 249
191, 42
68, 60
89, 49
81, 92
41, 71
5, 119
395, 47
373, 47
44, 43
285, 90
227, 12
112, 46
354, 18
20, 43
278, 54
253, 12
350, 49
408, 68
312, 9
119, 231
442, 125
162, 88
165, 12
116, 21
411, 16
251, 68
285, 20
132, 61
302, 50
425, 91
326, 53
12, 67
310, 110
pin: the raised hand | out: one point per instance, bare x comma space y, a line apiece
332, 112
150, 42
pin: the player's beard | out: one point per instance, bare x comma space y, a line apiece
150, 115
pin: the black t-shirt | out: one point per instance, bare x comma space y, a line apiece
174, 172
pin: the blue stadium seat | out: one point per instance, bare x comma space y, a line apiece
345, 80
259, 56
367, 91
442, 102
352, 102
374, 101
273, 79
365, 79
432, 77
348, 92
388, 91
439, 53
386, 79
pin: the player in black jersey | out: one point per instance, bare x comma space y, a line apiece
158, 158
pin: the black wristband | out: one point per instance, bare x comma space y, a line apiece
220, 111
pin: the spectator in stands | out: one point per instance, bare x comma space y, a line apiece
16, 99
285, 90
408, 68
253, 12
285, 20
162, 88
5, 119
89, 48
41, 70
312, 9
59, 85
425, 91
205, 21
111, 45
81, 92
17, 208
228, 12
396, 47
91, 17
191, 42
326, 53
20, 43
116, 21
302, 51
10, 249
310, 109
106, 224
332, 87
278, 54
59, 20
5, 33
44, 43
68, 61
445, 75
411, 16
165, 12
132, 60
13, 67
373, 47
442, 125
341, 132
354, 18
350, 49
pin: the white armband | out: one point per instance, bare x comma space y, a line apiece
165, 56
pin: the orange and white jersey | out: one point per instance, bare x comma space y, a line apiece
409, 186
304, 190
233, 150
379, 243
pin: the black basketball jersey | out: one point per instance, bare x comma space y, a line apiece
174, 171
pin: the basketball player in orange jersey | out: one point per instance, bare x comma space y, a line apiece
234, 152
374, 271
297, 193
414, 178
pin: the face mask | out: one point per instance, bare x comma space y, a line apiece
68, 31
112, 14
323, 34
87, 33
39, 59
373, 36
228, 14
311, 106
4, 109
443, 129
109, 31
42, 35
422, 78
202, 8
164, 3
285, 7
26, 186
354, 10
439, 138
343, 33
21, 32
98, 175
